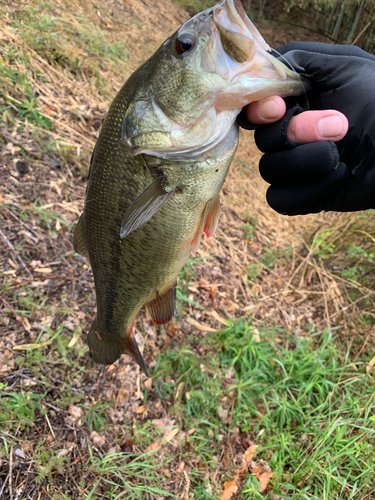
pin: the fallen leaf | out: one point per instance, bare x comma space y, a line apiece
25, 347
153, 446
256, 335
219, 318
19, 453
250, 452
45, 270
171, 435
370, 364
141, 410
13, 264
148, 383
172, 327
76, 412
75, 338
97, 438
200, 326
230, 489
264, 479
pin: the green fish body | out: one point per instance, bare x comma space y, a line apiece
159, 163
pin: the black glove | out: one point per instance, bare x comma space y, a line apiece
327, 176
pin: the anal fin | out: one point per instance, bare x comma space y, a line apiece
212, 217
145, 206
79, 242
163, 308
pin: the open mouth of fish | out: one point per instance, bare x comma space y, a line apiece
231, 53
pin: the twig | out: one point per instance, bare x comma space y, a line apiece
79, 459
12, 139
16, 256
49, 425
364, 345
366, 405
20, 221
11, 473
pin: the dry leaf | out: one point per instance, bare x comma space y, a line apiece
230, 489
25, 347
97, 438
219, 318
256, 335
148, 383
200, 326
74, 339
13, 264
168, 437
370, 365
153, 446
45, 270
76, 412
264, 479
250, 452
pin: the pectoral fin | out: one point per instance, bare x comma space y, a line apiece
212, 217
145, 206
79, 243
198, 235
208, 222
163, 308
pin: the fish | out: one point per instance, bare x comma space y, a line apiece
159, 163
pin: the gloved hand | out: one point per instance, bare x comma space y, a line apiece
309, 178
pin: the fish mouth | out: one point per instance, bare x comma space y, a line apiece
243, 58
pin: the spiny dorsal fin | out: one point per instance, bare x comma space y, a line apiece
163, 308
212, 217
79, 242
145, 206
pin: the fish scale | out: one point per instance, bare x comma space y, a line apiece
159, 163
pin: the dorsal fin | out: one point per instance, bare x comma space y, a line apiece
163, 308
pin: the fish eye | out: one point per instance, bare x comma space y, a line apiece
184, 43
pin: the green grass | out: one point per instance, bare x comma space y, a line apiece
303, 404
302, 401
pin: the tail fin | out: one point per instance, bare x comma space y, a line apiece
105, 349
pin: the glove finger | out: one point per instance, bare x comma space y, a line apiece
304, 164
328, 66
323, 49
306, 199
274, 137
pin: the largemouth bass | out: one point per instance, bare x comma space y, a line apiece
159, 163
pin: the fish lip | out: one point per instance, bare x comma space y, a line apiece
230, 16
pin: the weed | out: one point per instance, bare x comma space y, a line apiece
96, 416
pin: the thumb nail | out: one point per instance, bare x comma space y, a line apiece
330, 127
